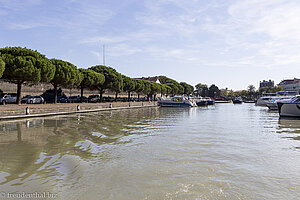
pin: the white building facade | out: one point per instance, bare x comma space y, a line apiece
290, 85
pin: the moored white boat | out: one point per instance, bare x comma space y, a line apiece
267, 97
262, 101
209, 101
289, 108
177, 101
237, 100
272, 104
200, 101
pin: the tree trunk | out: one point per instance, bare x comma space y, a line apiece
101, 93
55, 93
128, 96
154, 97
116, 96
19, 87
138, 97
81, 97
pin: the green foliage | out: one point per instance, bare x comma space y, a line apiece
113, 79
26, 65
154, 88
242, 93
147, 87
128, 83
2, 67
91, 79
188, 89
176, 88
66, 74
139, 86
201, 90
231, 94
251, 89
168, 89
163, 89
213, 91
269, 89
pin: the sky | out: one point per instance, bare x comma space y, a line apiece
230, 43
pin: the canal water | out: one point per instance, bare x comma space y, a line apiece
223, 151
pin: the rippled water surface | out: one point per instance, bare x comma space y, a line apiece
224, 151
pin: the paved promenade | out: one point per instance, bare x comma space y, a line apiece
13, 111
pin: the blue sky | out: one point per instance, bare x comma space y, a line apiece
231, 43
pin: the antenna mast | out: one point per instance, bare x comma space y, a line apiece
103, 54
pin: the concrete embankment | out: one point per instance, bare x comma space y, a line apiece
8, 112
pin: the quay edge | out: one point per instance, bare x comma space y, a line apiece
35, 115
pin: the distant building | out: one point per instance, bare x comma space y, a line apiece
290, 85
266, 83
153, 79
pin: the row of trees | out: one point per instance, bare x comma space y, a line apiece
21, 65
212, 91
251, 93
173, 87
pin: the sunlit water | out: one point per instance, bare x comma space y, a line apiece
224, 151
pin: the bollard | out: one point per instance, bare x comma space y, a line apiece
129, 104
142, 103
27, 111
3, 102
78, 107
110, 105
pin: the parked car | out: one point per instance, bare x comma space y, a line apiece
9, 98
74, 99
35, 100
108, 99
62, 99
94, 98
84, 99
24, 99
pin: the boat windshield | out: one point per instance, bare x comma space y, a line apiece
176, 99
295, 99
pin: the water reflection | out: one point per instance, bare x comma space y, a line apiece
289, 128
217, 152
36, 147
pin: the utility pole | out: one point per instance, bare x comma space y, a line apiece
103, 54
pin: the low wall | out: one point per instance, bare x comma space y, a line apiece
20, 110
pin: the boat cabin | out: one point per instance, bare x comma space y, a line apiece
177, 99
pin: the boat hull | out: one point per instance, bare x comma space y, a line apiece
166, 104
272, 106
210, 102
289, 109
237, 101
201, 103
260, 102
